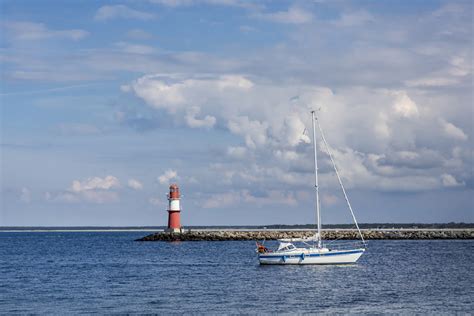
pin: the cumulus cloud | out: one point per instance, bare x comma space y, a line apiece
29, 31
452, 131
169, 175
404, 106
135, 184
254, 131
207, 122
120, 11
94, 183
450, 181
93, 190
382, 139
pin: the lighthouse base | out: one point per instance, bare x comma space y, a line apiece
174, 230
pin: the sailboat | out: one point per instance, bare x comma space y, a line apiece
314, 250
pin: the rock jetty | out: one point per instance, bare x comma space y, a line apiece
369, 234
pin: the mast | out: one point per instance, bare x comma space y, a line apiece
340, 182
318, 213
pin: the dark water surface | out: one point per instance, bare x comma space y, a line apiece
110, 273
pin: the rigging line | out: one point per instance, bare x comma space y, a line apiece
339, 179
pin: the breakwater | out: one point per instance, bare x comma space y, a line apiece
369, 234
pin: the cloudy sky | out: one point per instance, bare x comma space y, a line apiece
104, 104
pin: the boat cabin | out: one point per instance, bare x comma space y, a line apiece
286, 246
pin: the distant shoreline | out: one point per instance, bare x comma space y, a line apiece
216, 230
276, 227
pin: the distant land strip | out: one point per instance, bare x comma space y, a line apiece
451, 225
333, 234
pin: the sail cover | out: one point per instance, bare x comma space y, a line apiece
284, 245
305, 239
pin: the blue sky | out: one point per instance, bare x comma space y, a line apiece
105, 103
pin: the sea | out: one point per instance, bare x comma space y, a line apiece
109, 272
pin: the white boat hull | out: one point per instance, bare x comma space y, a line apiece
311, 257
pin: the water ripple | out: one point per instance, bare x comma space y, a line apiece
56, 273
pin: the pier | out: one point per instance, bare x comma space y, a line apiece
333, 234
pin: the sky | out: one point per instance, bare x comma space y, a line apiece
105, 103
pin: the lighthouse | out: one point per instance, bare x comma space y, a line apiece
174, 210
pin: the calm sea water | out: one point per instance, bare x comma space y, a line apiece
110, 273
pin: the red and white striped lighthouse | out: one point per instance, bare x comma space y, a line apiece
174, 210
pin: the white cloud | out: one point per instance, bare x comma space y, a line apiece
93, 190
452, 131
207, 122
109, 182
404, 106
254, 131
135, 184
261, 113
381, 128
293, 15
29, 31
369, 129
169, 175
294, 130
287, 154
450, 181
175, 94
120, 11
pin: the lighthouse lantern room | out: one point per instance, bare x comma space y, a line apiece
174, 210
